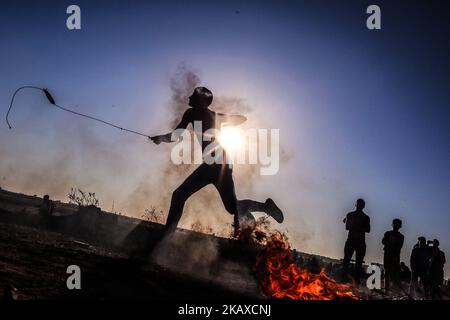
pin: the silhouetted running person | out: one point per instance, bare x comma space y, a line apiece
420, 257
218, 174
393, 243
437, 261
358, 224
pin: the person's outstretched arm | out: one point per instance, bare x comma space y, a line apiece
367, 225
175, 134
231, 119
384, 240
347, 222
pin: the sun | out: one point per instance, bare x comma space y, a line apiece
231, 139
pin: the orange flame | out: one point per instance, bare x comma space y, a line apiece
281, 278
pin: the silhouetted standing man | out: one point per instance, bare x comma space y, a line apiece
46, 210
420, 257
437, 262
358, 224
393, 243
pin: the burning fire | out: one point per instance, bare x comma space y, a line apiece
281, 278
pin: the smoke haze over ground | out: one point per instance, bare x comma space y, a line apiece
360, 114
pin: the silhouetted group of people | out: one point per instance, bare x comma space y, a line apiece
427, 260
427, 266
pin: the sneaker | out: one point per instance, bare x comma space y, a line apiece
273, 211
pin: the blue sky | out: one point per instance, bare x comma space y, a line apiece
363, 113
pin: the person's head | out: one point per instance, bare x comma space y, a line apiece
422, 241
201, 98
436, 243
46, 197
396, 224
360, 204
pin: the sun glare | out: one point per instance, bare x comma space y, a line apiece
231, 139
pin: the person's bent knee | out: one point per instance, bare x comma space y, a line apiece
179, 195
231, 209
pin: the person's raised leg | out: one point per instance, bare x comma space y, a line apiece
273, 210
196, 181
247, 206
269, 207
